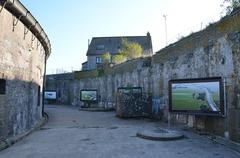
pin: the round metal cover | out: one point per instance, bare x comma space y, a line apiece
160, 134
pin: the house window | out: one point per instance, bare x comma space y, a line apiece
2, 86
100, 47
98, 60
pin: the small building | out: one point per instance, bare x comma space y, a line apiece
112, 45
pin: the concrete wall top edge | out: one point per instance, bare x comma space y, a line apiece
19, 11
229, 23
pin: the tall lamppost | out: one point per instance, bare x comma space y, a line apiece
165, 19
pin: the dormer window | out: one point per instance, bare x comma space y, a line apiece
100, 47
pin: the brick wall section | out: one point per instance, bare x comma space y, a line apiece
22, 65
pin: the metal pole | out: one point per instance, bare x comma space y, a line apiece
44, 85
165, 19
226, 126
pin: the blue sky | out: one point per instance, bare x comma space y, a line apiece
70, 23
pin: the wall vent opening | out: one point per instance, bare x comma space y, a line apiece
2, 86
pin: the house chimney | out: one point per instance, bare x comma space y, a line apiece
149, 40
88, 42
148, 34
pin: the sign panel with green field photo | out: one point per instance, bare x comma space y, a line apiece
88, 95
202, 96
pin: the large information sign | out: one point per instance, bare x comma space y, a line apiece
203, 96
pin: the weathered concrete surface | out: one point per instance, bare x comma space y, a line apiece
73, 133
22, 65
60, 83
12, 140
213, 52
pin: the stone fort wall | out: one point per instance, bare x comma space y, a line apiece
212, 52
22, 69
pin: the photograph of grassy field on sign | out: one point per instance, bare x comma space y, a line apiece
203, 96
89, 95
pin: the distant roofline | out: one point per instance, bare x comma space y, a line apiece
114, 37
118, 36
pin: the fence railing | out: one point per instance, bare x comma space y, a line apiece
63, 70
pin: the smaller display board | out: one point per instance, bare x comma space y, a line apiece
199, 96
50, 95
89, 95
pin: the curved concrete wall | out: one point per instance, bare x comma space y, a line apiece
22, 67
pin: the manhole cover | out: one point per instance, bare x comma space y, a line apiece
160, 134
